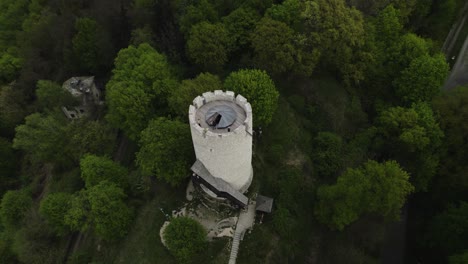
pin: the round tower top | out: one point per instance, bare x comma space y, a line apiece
220, 112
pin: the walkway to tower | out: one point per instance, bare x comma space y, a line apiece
245, 222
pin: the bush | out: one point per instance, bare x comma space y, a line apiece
184, 237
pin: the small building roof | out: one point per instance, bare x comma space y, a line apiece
217, 185
264, 204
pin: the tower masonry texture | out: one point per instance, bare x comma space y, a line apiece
221, 128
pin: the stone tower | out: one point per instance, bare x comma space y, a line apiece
221, 128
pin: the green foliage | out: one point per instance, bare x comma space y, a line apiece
109, 213
166, 150
379, 188
240, 23
209, 45
278, 49
182, 97
138, 88
89, 137
272, 42
95, 169
8, 165
327, 154
12, 109
41, 137
78, 215
412, 136
13, 208
449, 229
337, 31
260, 91
184, 238
388, 27
85, 43
288, 12
53, 208
142, 35
422, 80
11, 19
452, 107
10, 64
194, 14
51, 95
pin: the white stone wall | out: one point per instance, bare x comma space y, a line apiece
226, 155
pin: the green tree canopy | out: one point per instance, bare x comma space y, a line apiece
110, 215
194, 14
423, 79
8, 165
209, 45
78, 215
327, 154
240, 23
12, 109
10, 64
42, 137
412, 136
166, 150
337, 31
288, 12
184, 238
89, 137
260, 91
272, 42
95, 169
449, 229
379, 188
182, 97
13, 207
51, 95
138, 88
85, 44
452, 107
53, 208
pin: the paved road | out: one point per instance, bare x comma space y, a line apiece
459, 74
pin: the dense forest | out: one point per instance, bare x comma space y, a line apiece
356, 132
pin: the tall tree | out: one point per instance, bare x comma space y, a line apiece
185, 238
209, 45
138, 88
260, 91
109, 213
327, 154
166, 150
51, 95
423, 79
53, 208
272, 42
8, 166
240, 23
187, 90
412, 136
95, 169
379, 188
42, 137
452, 109
13, 208
449, 229
338, 32
85, 44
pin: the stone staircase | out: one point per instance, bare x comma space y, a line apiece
235, 246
